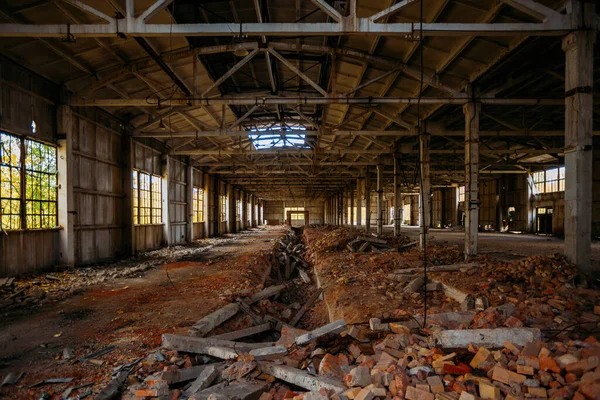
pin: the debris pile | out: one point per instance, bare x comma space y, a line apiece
290, 255
385, 360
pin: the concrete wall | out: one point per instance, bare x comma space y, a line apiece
596, 189
97, 186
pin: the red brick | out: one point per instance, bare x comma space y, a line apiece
330, 366
460, 369
548, 364
591, 390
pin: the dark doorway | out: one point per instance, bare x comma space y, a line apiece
544, 220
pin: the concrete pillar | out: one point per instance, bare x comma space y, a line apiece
231, 221
397, 195
367, 202
190, 203
425, 203
359, 195
166, 220
65, 199
379, 198
253, 211
579, 82
472, 113
351, 205
129, 245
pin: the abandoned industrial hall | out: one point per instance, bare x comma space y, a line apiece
299, 199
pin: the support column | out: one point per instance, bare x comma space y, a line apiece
341, 207
129, 245
397, 195
252, 211
166, 219
425, 197
190, 203
379, 198
65, 185
471, 112
244, 210
579, 82
232, 222
367, 202
351, 205
359, 194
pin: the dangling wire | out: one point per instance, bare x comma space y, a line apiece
420, 132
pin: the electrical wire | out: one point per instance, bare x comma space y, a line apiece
420, 132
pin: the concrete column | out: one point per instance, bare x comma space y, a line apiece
579, 82
231, 222
253, 212
397, 195
65, 199
359, 194
341, 207
379, 198
351, 205
190, 203
261, 217
129, 245
367, 202
166, 220
244, 197
472, 113
425, 197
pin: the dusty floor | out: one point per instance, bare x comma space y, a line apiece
130, 314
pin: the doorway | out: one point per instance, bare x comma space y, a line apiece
544, 220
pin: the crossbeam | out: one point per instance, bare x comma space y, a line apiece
273, 100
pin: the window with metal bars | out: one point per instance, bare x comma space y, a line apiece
198, 203
147, 198
28, 184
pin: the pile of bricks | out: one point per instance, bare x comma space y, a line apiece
395, 360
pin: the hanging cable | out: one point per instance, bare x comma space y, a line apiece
420, 132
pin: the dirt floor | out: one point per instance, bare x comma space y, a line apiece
130, 314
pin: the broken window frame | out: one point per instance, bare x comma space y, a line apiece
33, 184
147, 209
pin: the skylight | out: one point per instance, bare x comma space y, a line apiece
278, 136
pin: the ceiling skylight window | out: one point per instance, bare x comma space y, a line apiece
277, 136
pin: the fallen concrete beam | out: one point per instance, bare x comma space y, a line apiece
329, 329
204, 380
242, 333
249, 390
182, 375
211, 321
302, 378
267, 292
489, 338
191, 344
269, 353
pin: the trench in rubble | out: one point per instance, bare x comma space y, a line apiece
287, 265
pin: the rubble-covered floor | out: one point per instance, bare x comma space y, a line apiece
511, 323
128, 305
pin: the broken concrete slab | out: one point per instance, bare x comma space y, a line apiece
332, 328
183, 375
249, 390
191, 344
489, 338
302, 378
211, 321
267, 292
204, 380
242, 333
306, 306
415, 285
269, 353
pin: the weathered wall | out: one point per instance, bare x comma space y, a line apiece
437, 209
596, 189
25, 97
488, 216
450, 206
97, 186
274, 211
557, 202
516, 196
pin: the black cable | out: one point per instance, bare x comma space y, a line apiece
420, 131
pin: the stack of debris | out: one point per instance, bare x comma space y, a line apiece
290, 255
364, 243
386, 360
